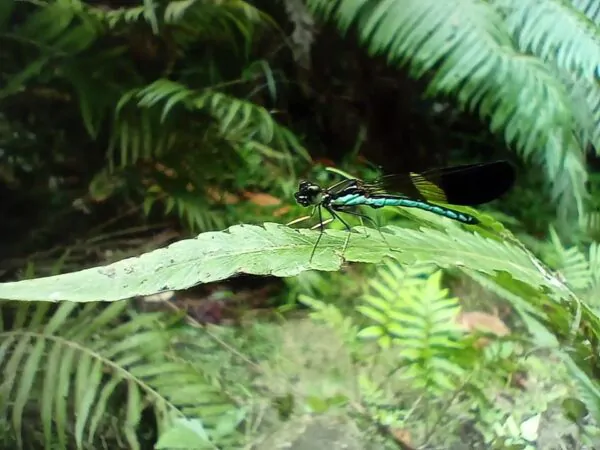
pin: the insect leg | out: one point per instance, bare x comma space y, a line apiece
334, 214
322, 226
354, 213
325, 222
301, 219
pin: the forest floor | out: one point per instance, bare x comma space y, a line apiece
310, 366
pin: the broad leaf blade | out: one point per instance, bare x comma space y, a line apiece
279, 251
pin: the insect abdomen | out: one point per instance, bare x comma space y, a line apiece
436, 209
380, 202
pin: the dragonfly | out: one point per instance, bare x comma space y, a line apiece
464, 185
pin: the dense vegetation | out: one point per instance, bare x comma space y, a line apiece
127, 126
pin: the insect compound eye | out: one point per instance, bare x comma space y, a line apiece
302, 198
307, 193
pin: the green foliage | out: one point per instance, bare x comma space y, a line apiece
589, 8
527, 67
580, 270
406, 308
420, 319
173, 93
192, 17
171, 90
557, 318
281, 251
424, 360
568, 328
82, 367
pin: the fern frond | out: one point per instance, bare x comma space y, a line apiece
587, 387
415, 314
192, 210
580, 270
332, 317
554, 31
197, 134
589, 224
590, 8
115, 17
585, 95
57, 31
572, 263
467, 50
84, 359
569, 42
236, 12
189, 19
280, 251
239, 122
62, 27
594, 263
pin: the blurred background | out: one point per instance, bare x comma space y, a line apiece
128, 125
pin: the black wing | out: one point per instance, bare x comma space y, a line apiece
469, 185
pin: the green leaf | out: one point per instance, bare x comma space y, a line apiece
133, 414
100, 406
150, 14
464, 48
48, 23
373, 314
185, 434
587, 388
18, 81
554, 31
372, 332
530, 428
589, 8
49, 391
80, 378
26, 381
6, 9
280, 251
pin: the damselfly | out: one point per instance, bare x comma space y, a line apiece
467, 185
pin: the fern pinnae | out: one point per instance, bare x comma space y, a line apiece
87, 395
90, 320
53, 361
99, 407
388, 278
85, 362
38, 315
554, 31
416, 314
471, 56
133, 413
59, 317
375, 301
590, 8
594, 263
61, 393
573, 264
145, 341
383, 290
11, 369
26, 382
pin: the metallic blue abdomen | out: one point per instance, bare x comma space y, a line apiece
379, 202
